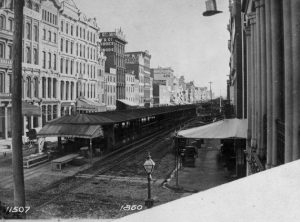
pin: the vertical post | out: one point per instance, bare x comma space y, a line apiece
16, 120
288, 81
91, 150
149, 186
295, 13
269, 84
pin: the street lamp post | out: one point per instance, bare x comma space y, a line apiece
149, 166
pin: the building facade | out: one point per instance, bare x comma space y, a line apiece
113, 44
111, 89
139, 63
129, 91
270, 55
59, 62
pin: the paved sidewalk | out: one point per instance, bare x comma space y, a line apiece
209, 172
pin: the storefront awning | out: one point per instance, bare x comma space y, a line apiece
88, 105
30, 110
227, 128
71, 130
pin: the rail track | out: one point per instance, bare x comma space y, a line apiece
110, 161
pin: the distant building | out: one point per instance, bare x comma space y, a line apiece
113, 43
163, 76
161, 95
110, 89
139, 63
129, 87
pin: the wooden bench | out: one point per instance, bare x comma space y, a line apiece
34, 160
62, 160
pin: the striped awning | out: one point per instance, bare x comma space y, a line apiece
71, 130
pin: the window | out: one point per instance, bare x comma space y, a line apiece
61, 65
1, 50
80, 32
9, 82
61, 45
71, 47
77, 31
10, 24
2, 82
44, 60
2, 22
54, 60
36, 8
49, 60
28, 81
35, 56
72, 63
67, 66
67, 28
49, 36
9, 52
28, 30
29, 4
67, 45
36, 87
54, 37
72, 30
44, 34
62, 26
35, 31
28, 55
80, 49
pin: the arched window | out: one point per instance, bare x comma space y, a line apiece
28, 54
28, 30
61, 45
36, 87
2, 22
10, 24
36, 8
35, 56
35, 31
28, 85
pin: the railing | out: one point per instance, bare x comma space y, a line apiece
254, 161
6, 62
280, 141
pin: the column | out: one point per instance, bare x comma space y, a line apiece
249, 82
263, 80
295, 12
40, 87
24, 125
269, 84
277, 70
253, 87
288, 70
58, 89
258, 78
31, 122
70, 91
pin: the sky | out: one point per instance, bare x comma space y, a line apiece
175, 33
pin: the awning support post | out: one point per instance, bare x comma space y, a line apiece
91, 150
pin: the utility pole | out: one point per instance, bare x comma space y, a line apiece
210, 98
17, 119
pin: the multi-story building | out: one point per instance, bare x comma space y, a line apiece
113, 44
59, 62
100, 72
110, 89
191, 92
139, 63
129, 87
164, 76
6, 36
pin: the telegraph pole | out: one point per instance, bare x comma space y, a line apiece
16, 120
